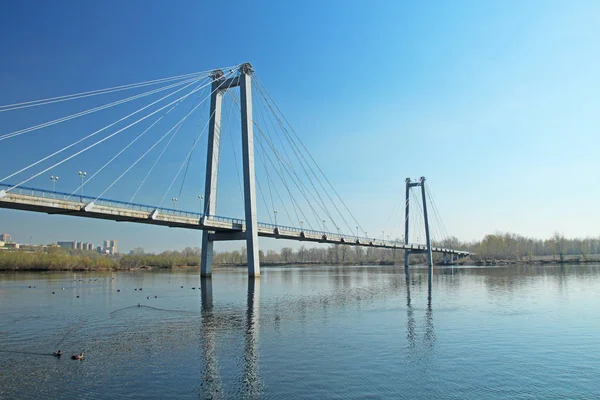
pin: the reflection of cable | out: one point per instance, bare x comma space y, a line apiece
112, 313
26, 352
71, 330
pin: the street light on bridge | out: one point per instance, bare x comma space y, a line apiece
82, 175
275, 214
54, 179
174, 200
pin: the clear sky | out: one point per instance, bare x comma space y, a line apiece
495, 102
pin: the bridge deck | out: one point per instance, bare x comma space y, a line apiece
224, 228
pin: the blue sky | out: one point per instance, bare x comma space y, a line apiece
494, 102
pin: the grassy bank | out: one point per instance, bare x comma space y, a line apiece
57, 261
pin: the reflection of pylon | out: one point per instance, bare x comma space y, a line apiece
429, 331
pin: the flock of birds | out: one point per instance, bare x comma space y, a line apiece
118, 290
80, 356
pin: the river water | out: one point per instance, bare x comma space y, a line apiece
312, 332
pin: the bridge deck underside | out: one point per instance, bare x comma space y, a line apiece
223, 228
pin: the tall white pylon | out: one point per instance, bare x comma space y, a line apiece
219, 86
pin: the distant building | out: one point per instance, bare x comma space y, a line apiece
111, 247
67, 245
12, 245
76, 245
4, 237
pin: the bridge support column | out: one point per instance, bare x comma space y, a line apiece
452, 258
219, 86
406, 209
249, 175
212, 169
444, 255
409, 185
429, 253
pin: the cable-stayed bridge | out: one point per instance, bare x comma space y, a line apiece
139, 140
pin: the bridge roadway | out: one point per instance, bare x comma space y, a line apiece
224, 228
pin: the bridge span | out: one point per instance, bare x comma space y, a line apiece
221, 228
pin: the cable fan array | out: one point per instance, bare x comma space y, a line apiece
147, 147
144, 147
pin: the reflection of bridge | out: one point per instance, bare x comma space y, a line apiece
315, 188
211, 325
215, 321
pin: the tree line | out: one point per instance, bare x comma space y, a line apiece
499, 246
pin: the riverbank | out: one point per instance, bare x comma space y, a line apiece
594, 259
78, 261
72, 265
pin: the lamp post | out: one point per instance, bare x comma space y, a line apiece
82, 175
357, 233
54, 179
174, 200
324, 226
201, 198
301, 226
275, 214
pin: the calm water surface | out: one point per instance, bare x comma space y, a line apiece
351, 332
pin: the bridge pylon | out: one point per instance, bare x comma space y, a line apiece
409, 185
219, 86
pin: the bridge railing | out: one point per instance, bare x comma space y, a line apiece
47, 194
178, 213
334, 235
52, 194
234, 221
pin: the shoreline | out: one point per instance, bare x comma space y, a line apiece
480, 263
